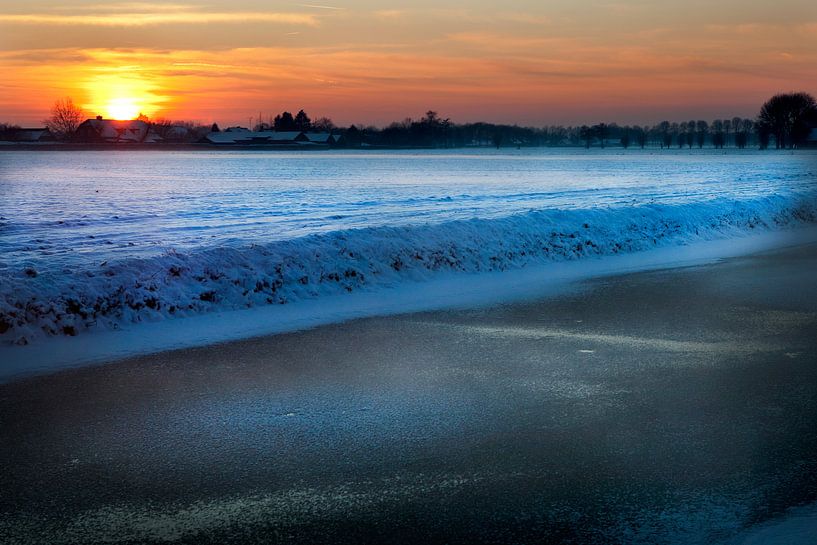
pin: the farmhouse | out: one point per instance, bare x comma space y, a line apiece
115, 131
325, 138
241, 136
27, 135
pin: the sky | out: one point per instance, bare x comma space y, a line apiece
367, 62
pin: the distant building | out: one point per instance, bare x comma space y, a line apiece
172, 133
114, 131
29, 135
325, 138
244, 137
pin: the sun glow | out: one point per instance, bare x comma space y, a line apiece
122, 108
119, 95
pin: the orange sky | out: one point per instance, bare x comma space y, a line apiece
528, 62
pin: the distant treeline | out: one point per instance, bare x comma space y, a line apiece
433, 132
784, 121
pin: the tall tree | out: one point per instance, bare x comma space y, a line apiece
641, 136
717, 134
737, 127
788, 117
586, 134
65, 118
284, 122
601, 131
682, 134
664, 128
323, 124
748, 128
302, 121
690, 133
625, 137
702, 128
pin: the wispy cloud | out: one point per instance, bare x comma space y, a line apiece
165, 18
390, 13
130, 7
319, 6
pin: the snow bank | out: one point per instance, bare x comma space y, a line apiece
225, 278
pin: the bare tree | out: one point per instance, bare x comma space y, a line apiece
702, 129
718, 137
65, 118
690, 133
748, 127
323, 124
737, 126
788, 118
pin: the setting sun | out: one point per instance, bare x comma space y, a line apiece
122, 108
115, 94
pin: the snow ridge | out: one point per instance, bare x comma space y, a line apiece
109, 295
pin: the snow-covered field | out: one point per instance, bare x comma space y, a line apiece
97, 240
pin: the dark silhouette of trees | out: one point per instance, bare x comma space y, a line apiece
737, 127
702, 129
302, 121
690, 136
433, 131
284, 122
788, 117
65, 118
745, 128
662, 130
180, 131
496, 139
602, 132
679, 134
718, 137
641, 136
352, 137
7, 131
625, 138
764, 135
323, 124
586, 134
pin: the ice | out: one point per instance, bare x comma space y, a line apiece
797, 527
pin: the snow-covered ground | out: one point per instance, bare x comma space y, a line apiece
101, 240
446, 290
